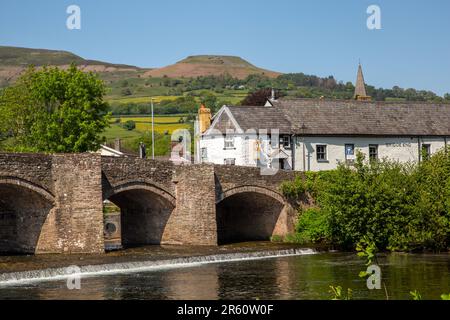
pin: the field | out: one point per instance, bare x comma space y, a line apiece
163, 125
138, 100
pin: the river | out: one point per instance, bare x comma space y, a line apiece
247, 271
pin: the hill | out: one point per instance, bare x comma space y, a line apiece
14, 60
207, 65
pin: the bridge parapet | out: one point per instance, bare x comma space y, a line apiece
34, 169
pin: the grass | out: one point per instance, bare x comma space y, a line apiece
116, 131
163, 124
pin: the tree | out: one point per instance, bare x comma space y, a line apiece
54, 110
258, 98
209, 100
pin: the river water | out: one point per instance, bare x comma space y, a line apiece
256, 271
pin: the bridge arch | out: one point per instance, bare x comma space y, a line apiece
24, 210
248, 213
145, 208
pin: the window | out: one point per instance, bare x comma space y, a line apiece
285, 141
321, 153
204, 154
373, 152
426, 151
229, 142
230, 162
349, 150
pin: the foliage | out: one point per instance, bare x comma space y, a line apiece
162, 143
54, 110
399, 207
312, 226
259, 97
366, 249
129, 125
445, 296
337, 293
415, 295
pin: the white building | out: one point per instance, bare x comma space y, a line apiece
315, 135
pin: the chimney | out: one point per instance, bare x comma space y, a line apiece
118, 144
272, 98
204, 117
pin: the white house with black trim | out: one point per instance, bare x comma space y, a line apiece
314, 135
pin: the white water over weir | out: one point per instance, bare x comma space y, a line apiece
53, 274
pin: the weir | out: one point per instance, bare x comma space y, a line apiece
54, 203
54, 274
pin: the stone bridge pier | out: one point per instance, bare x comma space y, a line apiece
54, 203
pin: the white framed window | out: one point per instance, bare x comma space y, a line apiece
321, 152
285, 141
229, 142
230, 161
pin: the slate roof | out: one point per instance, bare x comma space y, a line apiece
260, 118
341, 117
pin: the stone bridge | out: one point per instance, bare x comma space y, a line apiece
54, 203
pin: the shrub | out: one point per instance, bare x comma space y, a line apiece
313, 226
129, 125
397, 206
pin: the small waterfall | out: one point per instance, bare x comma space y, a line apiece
17, 278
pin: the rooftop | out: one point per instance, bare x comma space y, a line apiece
339, 117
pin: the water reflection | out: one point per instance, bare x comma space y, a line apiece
300, 277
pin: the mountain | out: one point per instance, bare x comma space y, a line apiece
14, 60
204, 65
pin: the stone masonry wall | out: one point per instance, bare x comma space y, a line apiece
194, 218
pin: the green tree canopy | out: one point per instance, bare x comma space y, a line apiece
54, 110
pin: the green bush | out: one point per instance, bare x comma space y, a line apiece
129, 125
313, 226
398, 206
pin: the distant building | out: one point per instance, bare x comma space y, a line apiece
109, 152
319, 134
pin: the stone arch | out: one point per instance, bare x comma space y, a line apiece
24, 210
28, 185
249, 213
145, 208
251, 188
129, 185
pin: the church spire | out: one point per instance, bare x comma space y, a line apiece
360, 87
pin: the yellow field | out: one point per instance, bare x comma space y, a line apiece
162, 120
162, 124
156, 99
161, 128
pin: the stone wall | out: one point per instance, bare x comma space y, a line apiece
54, 203
51, 203
194, 219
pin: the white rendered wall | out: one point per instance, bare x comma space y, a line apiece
402, 149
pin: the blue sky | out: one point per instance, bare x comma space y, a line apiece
322, 37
